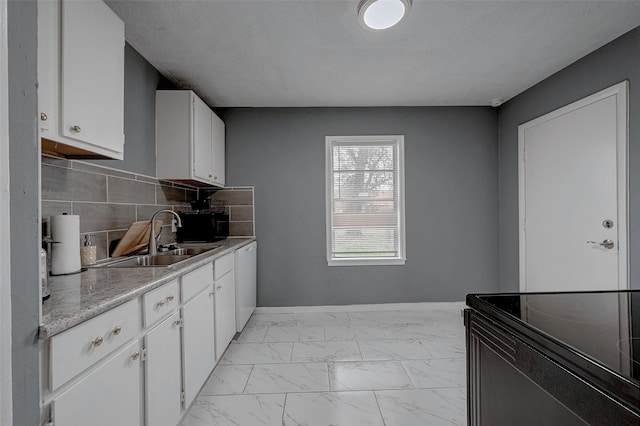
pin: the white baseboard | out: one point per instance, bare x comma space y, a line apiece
360, 308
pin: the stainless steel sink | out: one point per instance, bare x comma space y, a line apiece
169, 258
137, 261
192, 251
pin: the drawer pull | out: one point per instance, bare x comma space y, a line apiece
160, 304
97, 341
117, 329
135, 356
43, 116
170, 297
76, 129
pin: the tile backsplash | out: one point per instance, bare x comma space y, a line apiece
238, 203
109, 200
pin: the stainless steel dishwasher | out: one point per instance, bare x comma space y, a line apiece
246, 278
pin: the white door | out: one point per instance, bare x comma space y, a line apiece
572, 194
164, 373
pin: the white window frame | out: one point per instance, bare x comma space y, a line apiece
365, 261
6, 415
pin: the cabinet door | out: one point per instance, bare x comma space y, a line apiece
225, 312
198, 352
246, 276
92, 75
218, 150
201, 140
48, 77
108, 396
163, 373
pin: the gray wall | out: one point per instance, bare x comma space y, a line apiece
141, 80
451, 202
613, 63
23, 156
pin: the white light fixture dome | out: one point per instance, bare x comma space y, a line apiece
382, 14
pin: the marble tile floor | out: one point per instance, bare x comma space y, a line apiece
378, 367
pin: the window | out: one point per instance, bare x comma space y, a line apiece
365, 200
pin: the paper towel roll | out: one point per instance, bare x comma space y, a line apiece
65, 251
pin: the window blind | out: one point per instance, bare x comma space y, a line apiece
365, 208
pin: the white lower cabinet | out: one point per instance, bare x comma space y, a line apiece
95, 372
109, 395
198, 351
225, 312
163, 373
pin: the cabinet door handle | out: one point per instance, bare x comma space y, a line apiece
212, 293
215, 178
219, 287
135, 356
160, 304
43, 116
170, 297
76, 129
117, 330
178, 322
97, 341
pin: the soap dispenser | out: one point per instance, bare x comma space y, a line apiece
88, 251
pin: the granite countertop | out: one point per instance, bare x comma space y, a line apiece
79, 297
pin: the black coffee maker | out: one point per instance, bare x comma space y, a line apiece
203, 224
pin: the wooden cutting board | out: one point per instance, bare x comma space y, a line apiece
136, 237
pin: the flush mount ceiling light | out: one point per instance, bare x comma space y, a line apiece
382, 14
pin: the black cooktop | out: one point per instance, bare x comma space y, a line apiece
603, 326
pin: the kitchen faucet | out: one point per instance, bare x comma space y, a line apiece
152, 236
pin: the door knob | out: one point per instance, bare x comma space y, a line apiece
608, 244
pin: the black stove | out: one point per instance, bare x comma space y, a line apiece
601, 326
553, 358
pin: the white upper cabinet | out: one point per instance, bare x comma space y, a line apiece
190, 139
202, 161
81, 79
218, 150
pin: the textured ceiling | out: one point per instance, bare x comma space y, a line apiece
314, 52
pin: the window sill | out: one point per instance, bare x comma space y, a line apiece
366, 262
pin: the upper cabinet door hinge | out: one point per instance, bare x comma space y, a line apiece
144, 354
182, 396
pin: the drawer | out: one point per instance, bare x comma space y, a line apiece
195, 281
223, 265
85, 344
159, 302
